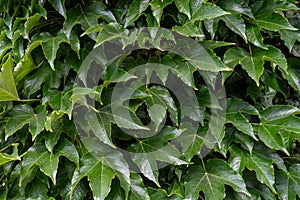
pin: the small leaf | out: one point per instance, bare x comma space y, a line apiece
212, 181
254, 36
236, 24
184, 7
8, 91
31, 22
157, 7
137, 188
5, 158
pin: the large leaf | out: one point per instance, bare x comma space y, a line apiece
38, 155
253, 61
8, 89
211, 179
266, 17
260, 160
235, 107
270, 128
288, 183
24, 114
135, 10
87, 17
100, 168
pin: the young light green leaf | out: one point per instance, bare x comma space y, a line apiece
5, 158
8, 91
212, 179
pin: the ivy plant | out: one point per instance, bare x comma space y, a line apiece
149, 99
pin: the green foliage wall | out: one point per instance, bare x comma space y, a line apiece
64, 134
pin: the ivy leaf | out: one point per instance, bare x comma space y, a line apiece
5, 158
270, 128
39, 155
157, 7
254, 36
207, 11
260, 160
8, 91
59, 6
292, 73
289, 37
137, 188
67, 149
135, 10
87, 17
50, 44
31, 22
147, 152
211, 180
288, 183
235, 107
253, 61
236, 6
265, 16
24, 114
236, 24
184, 7
100, 168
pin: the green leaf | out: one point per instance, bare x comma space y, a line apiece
5, 158
292, 73
59, 6
184, 7
8, 91
207, 11
50, 44
87, 17
260, 160
137, 188
135, 10
147, 152
236, 24
235, 107
31, 22
67, 149
271, 128
24, 67
289, 37
24, 114
254, 36
288, 183
266, 18
212, 179
157, 7
38, 155
237, 6
100, 168
253, 61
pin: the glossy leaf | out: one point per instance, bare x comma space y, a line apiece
8, 89
288, 183
211, 180
59, 6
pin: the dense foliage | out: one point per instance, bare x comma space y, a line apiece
69, 131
